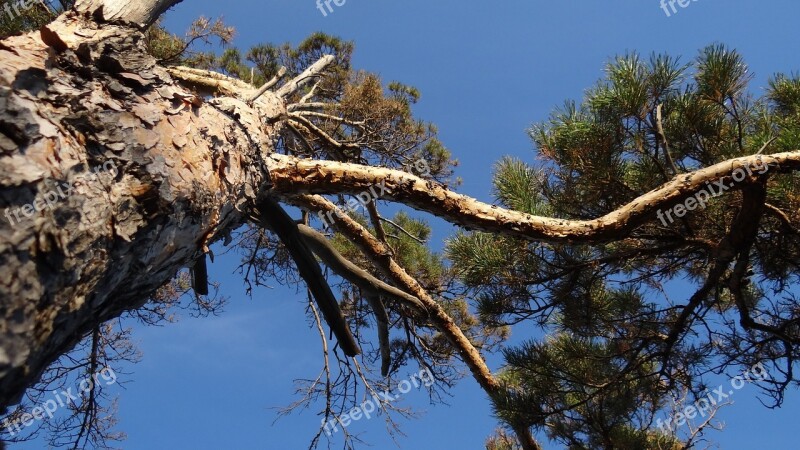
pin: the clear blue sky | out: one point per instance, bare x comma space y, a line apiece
487, 70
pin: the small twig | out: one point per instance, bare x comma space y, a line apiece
766, 144
407, 233
310, 93
663, 136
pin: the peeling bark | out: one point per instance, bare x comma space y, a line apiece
292, 176
76, 97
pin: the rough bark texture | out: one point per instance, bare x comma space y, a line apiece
73, 97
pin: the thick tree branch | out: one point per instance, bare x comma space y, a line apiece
267, 85
301, 176
210, 82
141, 12
271, 214
311, 105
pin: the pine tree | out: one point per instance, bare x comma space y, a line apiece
616, 348
211, 146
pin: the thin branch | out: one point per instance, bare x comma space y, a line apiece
354, 274
281, 73
301, 80
310, 93
663, 137
406, 232
766, 144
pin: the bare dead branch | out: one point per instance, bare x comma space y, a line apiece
281, 73
309, 74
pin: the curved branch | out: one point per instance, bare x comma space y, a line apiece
301, 176
272, 215
381, 256
352, 273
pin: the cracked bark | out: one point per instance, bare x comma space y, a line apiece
74, 96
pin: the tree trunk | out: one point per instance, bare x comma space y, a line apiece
112, 178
